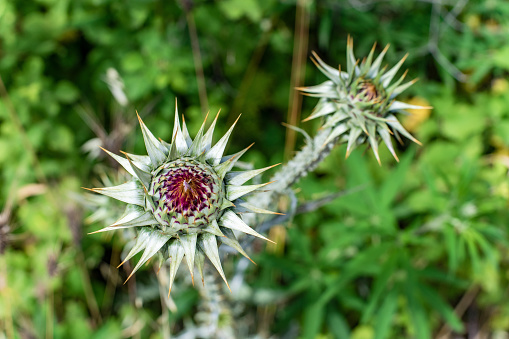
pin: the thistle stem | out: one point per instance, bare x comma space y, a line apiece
306, 160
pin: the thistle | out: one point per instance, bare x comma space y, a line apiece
360, 103
182, 198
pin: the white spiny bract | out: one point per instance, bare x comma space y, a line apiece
182, 198
360, 103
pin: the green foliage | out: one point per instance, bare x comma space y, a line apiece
394, 258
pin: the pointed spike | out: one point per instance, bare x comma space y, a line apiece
387, 77
386, 138
213, 228
166, 146
395, 85
352, 140
234, 222
396, 125
188, 243
355, 69
196, 147
351, 62
154, 243
144, 219
335, 119
207, 138
178, 137
228, 162
153, 146
245, 207
142, 161
122, 161
208, 245
185, 133
200, 262
131, 212
144, 177
173, 154
369, 59
326, 89
239, 178
400, 89
375, 67
175, 253
215, 153
139, 245
232, 241
131, 192
226, 204
397, 105
327, 70
235, 192
373, 142
323, 107
336, 132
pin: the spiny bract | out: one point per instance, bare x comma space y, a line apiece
183, 197
360, 103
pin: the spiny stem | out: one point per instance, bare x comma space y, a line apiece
306, 160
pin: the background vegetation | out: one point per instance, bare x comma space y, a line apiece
417, 249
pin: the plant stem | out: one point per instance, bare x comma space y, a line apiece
306, 160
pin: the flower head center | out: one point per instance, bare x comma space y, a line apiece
370, 92
187, 192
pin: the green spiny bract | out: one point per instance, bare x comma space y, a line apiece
360, 103
183, 197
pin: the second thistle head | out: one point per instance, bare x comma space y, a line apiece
359, 104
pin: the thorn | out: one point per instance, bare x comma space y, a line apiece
91, 189
228, 286
123, 262
141, 122
98, 232
237, 119
105, 150
374, 46
378, 158
129, 277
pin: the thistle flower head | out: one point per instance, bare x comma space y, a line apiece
183, 197
360, 103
